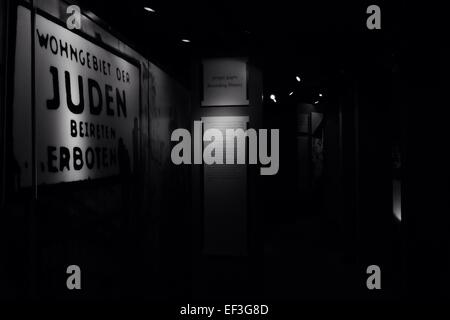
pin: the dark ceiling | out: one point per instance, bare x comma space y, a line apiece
313, 37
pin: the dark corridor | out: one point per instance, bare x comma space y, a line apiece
217, 153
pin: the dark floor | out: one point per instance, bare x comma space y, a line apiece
298, 263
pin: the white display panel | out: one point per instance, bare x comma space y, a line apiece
225, 197
87, 100
224, 82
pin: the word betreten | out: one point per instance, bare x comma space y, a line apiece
91, 130
215, 152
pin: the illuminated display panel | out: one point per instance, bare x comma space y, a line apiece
224, 82
87, 106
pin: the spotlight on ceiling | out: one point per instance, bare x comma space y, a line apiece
149, 9
291, 93
320, 95
185, 40
298, 79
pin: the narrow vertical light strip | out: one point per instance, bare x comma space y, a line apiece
33, 101
396, 199
356, 170
4, 63
32, 213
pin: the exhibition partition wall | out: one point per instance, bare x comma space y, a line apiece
85, 156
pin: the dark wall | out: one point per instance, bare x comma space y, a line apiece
2, 115
375, 120
3, 42
169, 194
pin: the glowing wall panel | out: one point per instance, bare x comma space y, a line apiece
87, 105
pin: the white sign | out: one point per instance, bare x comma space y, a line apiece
87, 107
224, 82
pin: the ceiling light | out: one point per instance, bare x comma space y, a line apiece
149, 9
298, 78
272, 97
320, 95
186, 40
291, 93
